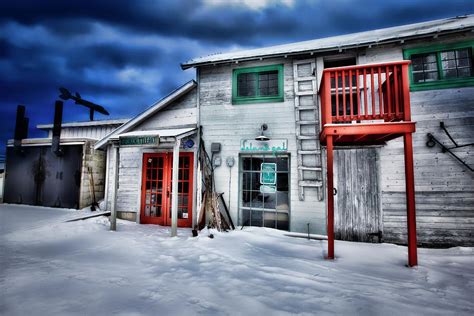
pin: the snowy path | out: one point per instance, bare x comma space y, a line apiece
48, 267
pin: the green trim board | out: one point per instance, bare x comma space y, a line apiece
442, 83
257, 99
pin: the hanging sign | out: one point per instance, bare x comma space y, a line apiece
139, 141
268, 173
267, 189
273, 146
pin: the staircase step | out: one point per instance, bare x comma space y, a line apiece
310, 168
311, 183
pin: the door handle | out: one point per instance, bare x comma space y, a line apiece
334, 191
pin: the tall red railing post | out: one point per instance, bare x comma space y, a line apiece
330, 204
410, 196
327, 115
406, 93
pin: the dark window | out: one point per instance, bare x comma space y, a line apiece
441, 66
424, 67
247, 84
456, 63
268, 83
258, 84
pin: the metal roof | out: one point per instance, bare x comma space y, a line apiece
157, 106
361, 39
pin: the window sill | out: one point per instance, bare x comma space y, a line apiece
443, 84
257, 100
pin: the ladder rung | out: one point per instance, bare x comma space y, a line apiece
310, 168
307, 122
305, 107
305, 78
308, 92
311, 183
315, 137
309, 152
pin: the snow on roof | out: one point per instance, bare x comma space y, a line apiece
86, 123
157, 106
374, 37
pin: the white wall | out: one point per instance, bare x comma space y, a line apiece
227, 124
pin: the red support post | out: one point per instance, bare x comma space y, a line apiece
330, 185
410, 194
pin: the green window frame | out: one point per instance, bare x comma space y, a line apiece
236, 99
442, 82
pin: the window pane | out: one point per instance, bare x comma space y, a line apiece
457, 63
246, 84
268, 83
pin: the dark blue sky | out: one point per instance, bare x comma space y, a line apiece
125, 55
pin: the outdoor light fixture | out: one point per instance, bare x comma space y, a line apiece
261, 137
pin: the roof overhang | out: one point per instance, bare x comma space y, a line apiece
165, 135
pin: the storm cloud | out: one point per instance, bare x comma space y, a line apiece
125, 55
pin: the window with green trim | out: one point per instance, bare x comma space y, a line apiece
441, 66
257, 84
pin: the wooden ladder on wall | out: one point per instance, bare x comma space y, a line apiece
307, 128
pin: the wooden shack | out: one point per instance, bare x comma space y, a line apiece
37, 176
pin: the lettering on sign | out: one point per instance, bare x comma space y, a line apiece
140, 141
273, 146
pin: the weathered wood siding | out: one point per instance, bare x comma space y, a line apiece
444, 187
94, 159
180, 113
357, 203
92, 132
226, 123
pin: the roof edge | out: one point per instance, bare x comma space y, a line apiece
155, 107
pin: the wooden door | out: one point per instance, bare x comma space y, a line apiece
357, 211
157, 189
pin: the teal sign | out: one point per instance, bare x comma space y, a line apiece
268, 173
273, 146
139, 141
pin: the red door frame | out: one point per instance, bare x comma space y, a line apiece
165, 218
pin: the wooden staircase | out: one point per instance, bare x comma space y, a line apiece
309, 157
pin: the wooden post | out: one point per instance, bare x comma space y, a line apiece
113, 214
410, 194
174, 196
330, 185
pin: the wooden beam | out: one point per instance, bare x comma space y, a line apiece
330, 204
113, 217
410, 195
174, 196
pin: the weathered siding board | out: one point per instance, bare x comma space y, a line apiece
86, 132
94, 159
357, 202
227, 124
179, 113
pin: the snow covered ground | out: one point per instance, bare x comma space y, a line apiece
48, 267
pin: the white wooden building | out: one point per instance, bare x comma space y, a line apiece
280, 182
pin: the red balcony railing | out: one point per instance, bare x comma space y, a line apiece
357, 94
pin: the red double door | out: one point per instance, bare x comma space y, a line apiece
157, 189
